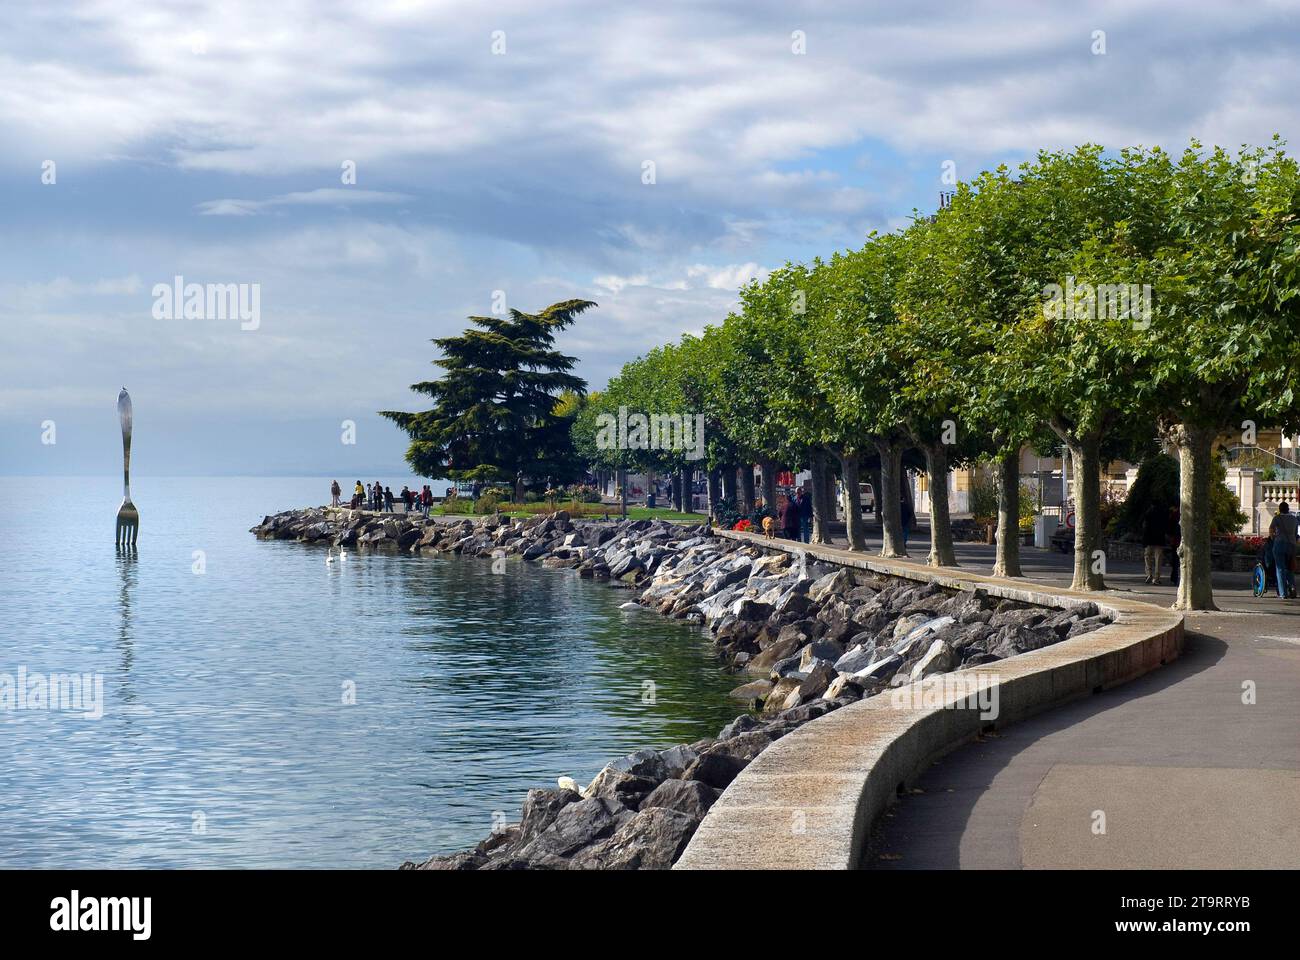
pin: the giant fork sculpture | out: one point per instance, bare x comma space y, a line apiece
128, 517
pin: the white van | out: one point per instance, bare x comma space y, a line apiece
866, 497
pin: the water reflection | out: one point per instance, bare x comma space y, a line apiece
530, 663
222, 692
127, 556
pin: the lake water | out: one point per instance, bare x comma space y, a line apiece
225, 740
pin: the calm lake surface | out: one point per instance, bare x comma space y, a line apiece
225, 741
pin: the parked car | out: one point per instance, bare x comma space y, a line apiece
866, 497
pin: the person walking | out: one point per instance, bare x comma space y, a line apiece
426, 500
335, 492
805, 515
790, 518
1154, 532
388, 499
358, 497
1283, 531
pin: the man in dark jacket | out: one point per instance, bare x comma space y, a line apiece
790, 519
1154, 530
805, 515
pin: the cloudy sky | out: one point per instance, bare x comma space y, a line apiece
504, 147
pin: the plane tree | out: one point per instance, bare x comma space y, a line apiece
1224, 332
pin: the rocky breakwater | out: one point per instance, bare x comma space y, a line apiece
812, 637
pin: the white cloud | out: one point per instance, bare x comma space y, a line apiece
325, 196
731, 277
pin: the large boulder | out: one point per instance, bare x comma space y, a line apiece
751, 610
819, 651
653, 839
754, 690
940, 658
857, 658
812, 686
841, 581
624, 788
691, 797
880, 670
746, 746
715, 769
541, 807
789, 643
677, 759
775, 701
577, 825
644, 763
740, 725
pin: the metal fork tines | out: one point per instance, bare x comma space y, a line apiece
128, 524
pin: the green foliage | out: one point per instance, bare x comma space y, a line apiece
489, 500
984, 500
1156, 482
494, 409
1225, 508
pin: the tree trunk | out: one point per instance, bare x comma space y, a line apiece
769, 483
622, 488
1196, 461
675, 479
1007, 562
715, 491
1086, 457
731, 485
936, 468
855, 527
747, 488
821, 532
889, 498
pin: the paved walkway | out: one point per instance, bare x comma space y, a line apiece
1195, 765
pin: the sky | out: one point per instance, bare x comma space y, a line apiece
376, 172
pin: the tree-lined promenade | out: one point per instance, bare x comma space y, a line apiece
1091, 300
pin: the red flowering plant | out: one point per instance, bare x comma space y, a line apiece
1247, 545
743, 525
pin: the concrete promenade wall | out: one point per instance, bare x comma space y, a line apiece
809, 800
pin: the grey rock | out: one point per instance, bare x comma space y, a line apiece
653, 839
858, 658
691, 797
882, 669
715, 769
577, 825
939, 658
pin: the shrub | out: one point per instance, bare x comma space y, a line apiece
488, 501
1157, 481
984, 500
582, 492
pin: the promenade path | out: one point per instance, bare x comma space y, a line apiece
1196, 765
